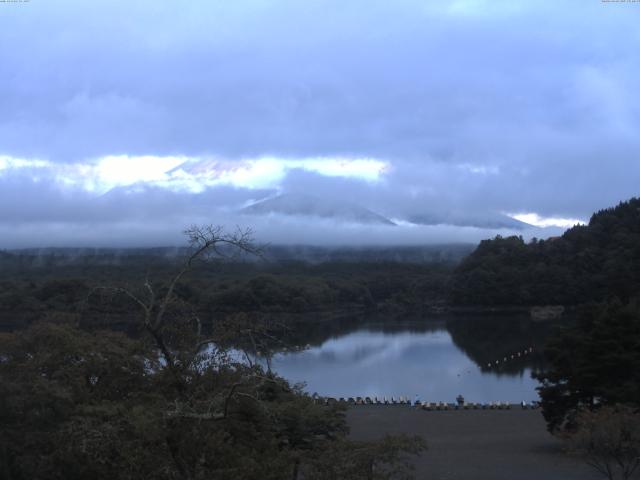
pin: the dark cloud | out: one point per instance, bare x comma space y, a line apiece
480, 105
25, 200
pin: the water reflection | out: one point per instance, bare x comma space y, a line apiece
435, 361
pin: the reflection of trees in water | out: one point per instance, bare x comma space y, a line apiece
487, 339
482, 339
304, 330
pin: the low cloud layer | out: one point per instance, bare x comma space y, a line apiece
474, 106
51, 214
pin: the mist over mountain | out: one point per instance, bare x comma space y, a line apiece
450, 254
124, 218
312, 206
480, 220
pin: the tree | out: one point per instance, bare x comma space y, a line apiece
172, 403
595, 363
587, 263
159, 302
610, 440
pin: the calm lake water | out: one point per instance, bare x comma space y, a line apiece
434, 361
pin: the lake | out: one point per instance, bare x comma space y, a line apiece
433, 360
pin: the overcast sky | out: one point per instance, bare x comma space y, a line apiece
125, 121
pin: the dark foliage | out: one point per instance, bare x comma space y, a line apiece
609, 440
172, 402
495, 338
58, 293
595, 363
591, 262
77, 404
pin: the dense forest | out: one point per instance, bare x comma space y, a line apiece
220, 288
588, 262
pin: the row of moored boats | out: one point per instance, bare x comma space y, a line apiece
401, 400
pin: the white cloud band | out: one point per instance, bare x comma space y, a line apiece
193, 174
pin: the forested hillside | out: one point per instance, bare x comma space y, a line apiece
588, 263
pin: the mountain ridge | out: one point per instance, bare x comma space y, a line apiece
312, 206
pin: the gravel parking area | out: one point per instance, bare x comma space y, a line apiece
474, 444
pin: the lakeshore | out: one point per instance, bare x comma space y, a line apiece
474, 444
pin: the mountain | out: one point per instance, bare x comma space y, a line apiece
486, 220
312, 206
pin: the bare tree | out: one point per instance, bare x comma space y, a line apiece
205, 242
610, 440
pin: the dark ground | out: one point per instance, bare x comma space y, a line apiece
474, 444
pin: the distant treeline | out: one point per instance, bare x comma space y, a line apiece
588, 263
216, 289
54, 257
38, 284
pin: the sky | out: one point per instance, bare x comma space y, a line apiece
124, 122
